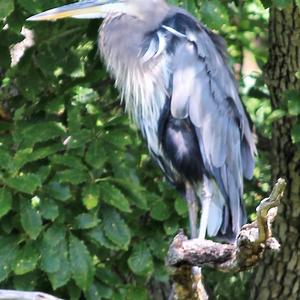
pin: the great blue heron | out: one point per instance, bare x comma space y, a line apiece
176, 84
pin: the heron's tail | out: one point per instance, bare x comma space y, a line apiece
218, 213
229, 231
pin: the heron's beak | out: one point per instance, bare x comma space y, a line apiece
88, 9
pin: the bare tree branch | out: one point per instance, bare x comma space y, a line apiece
19, 295
248, 249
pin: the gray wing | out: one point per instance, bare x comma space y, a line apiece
205, 91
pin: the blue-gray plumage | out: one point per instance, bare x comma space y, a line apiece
177, 87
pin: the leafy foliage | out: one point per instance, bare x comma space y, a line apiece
83, 210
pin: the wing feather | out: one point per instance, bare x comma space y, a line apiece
182, 70
205, 91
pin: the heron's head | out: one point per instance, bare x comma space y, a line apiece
91, 9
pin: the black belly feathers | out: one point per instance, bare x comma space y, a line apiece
180, 145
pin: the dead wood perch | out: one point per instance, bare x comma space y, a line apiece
248, 249
20, 295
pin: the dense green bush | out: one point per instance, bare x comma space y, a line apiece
84, 211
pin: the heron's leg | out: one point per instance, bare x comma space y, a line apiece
193, 216
205, 197
192, 208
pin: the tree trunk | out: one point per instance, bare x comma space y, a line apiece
278, 277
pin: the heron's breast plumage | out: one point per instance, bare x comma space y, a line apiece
143, 84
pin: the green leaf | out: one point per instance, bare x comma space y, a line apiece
31, 6
107, 276
71, 176
181, 207
86, 221
45, 60
63, 275
140, 260
8, 252
52, 247
27, 183
160, 211
49, 209
74, 120
137, 293
98, 291
5, 202
293, 99
134, 192
79, 139
296, 133
74, 292
27, 155
54, 235
161, 273
282, 3
84, 95
5, 58
22, 157
31, 221
68, 160
96, 156
276, 115
214, 14
59, 191
90, 196
29, 135
81, 263
6, 8
26, 259
5, 160
97, 235
43, 172
119, 139
54, 252
56, 106
26, 282
113, 196
294, 107
9, 37
266, 3
171, 226
190, 6
158, 245
115, 228
50, 260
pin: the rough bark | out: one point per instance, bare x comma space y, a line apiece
252, 242
278, 276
